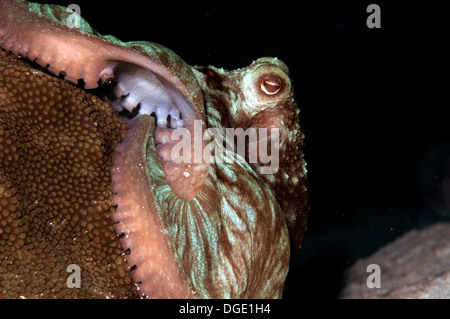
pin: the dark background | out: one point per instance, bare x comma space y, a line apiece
374, 107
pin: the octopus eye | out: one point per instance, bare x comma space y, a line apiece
271, 85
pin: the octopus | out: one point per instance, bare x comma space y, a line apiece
90, 180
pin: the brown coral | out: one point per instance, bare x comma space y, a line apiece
56, 143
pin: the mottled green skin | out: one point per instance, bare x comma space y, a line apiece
230, 101
231, 240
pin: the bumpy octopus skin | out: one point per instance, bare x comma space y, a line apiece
80, 186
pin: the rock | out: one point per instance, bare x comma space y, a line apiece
417, 265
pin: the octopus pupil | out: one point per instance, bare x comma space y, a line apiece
271, 85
